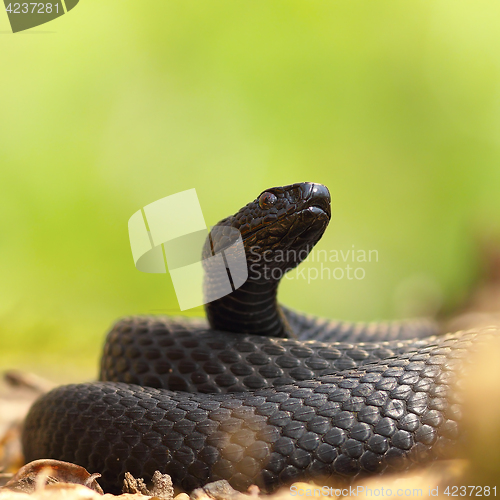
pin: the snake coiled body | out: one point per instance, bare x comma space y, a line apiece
237, 398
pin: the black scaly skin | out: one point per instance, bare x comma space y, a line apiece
153, 352
312, 327
268, 411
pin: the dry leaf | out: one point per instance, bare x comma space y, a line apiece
39, 473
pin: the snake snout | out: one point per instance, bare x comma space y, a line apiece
319, 197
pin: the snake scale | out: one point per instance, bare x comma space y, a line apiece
260, 394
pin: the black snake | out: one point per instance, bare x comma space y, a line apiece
250, 397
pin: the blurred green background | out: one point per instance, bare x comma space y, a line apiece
395, 106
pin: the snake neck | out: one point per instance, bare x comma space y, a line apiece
253, 308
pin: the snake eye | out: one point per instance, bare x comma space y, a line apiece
267, 200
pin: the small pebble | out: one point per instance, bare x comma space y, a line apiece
253, 490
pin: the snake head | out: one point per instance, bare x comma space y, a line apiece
279, 228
